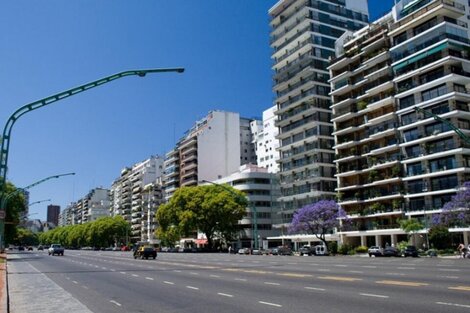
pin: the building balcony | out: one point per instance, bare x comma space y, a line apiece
437, 8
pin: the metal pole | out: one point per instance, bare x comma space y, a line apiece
6, 137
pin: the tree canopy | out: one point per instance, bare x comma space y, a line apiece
103, 232
15, 205
319, 219
212, 210
456, 212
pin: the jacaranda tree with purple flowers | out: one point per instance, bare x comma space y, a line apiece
319, 219
456, 212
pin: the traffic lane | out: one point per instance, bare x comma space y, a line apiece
392, 288
381, 269
131, 291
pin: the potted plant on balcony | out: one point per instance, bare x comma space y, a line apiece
373, 174
396, 171
396, 204
361, 105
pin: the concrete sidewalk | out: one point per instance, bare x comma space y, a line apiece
30, 291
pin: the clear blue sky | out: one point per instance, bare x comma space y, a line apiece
49, 46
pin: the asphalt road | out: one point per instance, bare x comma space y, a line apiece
180, 282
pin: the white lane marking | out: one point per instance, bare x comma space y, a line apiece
314, 288
177, 271
225, 295
85, 287
240, 279
449, 270
406, 268
193, 273
68, 278
113, 270
168, 282
292, 263
451, 277
116, 303
323, 270
104, 268
395, 274
369, 266
357, 272
216, 276
124, 273
74, 281
271, 304
149, 278
340, 265
135, 275
373, 295
191, 287
269, 283
454, 304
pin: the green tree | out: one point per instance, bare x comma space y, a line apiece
439, 237
15, 205
411, 226
212, 209
25, 237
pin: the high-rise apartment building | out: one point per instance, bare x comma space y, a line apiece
267, 143
213, 148
303, 39
392, 159
130, 195
53, 212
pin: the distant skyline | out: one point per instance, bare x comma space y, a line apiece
53, 45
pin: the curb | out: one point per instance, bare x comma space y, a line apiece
3, 284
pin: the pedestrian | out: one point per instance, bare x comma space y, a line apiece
229, 249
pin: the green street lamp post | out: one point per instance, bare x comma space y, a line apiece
6, 137
253, 209
5, 198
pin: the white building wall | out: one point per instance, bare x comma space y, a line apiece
219, 146
267, 145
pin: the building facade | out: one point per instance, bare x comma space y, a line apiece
53, 212
394, 160
262, 192
130, 198
213, 148
303, 39
267, 144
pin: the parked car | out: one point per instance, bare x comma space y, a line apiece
40, 248
125, 248
145, 253
375, 251
30, 248
391, 251
284, 251
306, 250
20, 248
244, 251
410, 251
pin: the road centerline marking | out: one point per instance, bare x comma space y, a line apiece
339, 278
191, 287
461, 288
270, 283
149, 278
454, 304
225, 295
314, 288
401, 283
168, 282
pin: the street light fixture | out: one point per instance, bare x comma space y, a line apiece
251, 206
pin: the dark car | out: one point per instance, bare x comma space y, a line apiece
40, 248
20, 248
410, 251
145, 253
391, 251
284, 251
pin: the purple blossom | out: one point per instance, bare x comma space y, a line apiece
456, 212
319, 218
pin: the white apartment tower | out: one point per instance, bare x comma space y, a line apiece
267, 144
213, 148
303, 39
